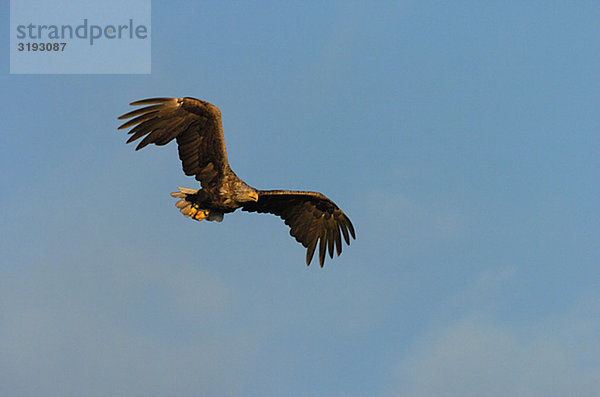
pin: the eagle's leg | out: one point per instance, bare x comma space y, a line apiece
197, 213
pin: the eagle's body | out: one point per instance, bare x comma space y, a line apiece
196, 126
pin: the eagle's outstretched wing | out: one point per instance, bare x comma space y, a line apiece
311, 216
195, 124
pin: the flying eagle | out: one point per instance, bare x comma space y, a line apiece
196, 126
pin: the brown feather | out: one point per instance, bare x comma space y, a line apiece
322, 248
150, 101
147, 109
138, 120
312, 218
195, 124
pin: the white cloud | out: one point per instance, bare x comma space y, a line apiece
479, 355
111, 302
412, 224
485, 288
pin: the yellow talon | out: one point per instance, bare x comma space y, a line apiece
201, 215
197, 214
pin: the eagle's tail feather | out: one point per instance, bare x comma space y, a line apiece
190, 209
184, 206
183, 191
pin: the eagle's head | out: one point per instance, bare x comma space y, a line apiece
244, 194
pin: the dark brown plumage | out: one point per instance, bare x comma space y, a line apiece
196, 126
311, 217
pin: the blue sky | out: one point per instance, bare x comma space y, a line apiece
461, 139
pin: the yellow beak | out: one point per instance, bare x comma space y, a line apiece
253, 196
